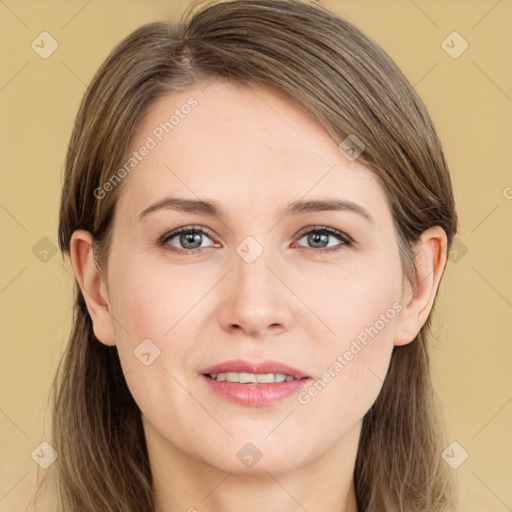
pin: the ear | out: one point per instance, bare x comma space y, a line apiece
92, 285
430, 261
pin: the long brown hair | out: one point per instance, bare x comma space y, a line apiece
351, 87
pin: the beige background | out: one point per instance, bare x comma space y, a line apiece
470, 100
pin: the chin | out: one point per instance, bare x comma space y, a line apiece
250, 461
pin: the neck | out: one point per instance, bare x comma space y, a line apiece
185, 483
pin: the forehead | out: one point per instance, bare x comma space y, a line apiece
251, 146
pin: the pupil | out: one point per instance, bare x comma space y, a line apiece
317, 237
189, 238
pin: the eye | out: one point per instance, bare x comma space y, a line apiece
188, 239
319, 236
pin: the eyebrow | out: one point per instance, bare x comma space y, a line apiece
213, 209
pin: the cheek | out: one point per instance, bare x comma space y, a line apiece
361, 301
360, 312
152, 301
157, 326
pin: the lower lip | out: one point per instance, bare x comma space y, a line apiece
255, 395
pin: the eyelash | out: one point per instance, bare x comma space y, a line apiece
345, 239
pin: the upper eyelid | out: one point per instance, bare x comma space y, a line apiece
320, 228
184, 229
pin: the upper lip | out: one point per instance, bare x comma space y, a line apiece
239, 366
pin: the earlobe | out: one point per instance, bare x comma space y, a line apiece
92, 285
430, 261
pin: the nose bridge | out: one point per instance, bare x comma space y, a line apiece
251, 272
254, 301
253, 279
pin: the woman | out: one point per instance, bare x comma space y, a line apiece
258, 213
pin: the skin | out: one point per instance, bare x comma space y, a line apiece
254, 151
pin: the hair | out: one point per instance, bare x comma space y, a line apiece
351, 87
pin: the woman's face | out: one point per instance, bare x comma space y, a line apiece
256, 284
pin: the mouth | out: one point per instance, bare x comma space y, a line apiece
244, 372
251, 378
254, 384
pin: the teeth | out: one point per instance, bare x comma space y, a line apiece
245, 378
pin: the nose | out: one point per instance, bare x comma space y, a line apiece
256, 300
